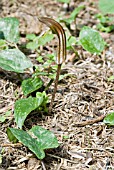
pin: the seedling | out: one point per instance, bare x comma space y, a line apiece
12, 59
106, 8
72, 17
36, 41
105, 23
61, 56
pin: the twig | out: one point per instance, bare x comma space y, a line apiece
43, 166
100, 149
89, 122
11, 145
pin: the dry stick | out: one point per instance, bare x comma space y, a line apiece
58, 29
43, 166
90, 122
11, 145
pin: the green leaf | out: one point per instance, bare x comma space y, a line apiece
109, 119
46, 139
30, 36
9, 27
31, 84
3, 45
71, 41
2, 119
43, 100
103, 28
32, 45
40, 59
63, 76
106, 6
66, 137
14, 60
64, 1
45, 38
91, 40
41, 73
76, 11
28, 141
111, 78
23, 107
41, 40
104, 19
5, 116
11, 137
73, 15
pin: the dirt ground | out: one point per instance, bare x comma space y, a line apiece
78, 111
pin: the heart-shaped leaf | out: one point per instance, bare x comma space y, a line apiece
14, 60
9, 27
28, 141
23, 107
31, 84
91, 40
46, 138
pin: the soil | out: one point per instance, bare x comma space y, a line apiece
82, 99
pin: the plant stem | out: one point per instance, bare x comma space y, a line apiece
55, 87
58, 29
